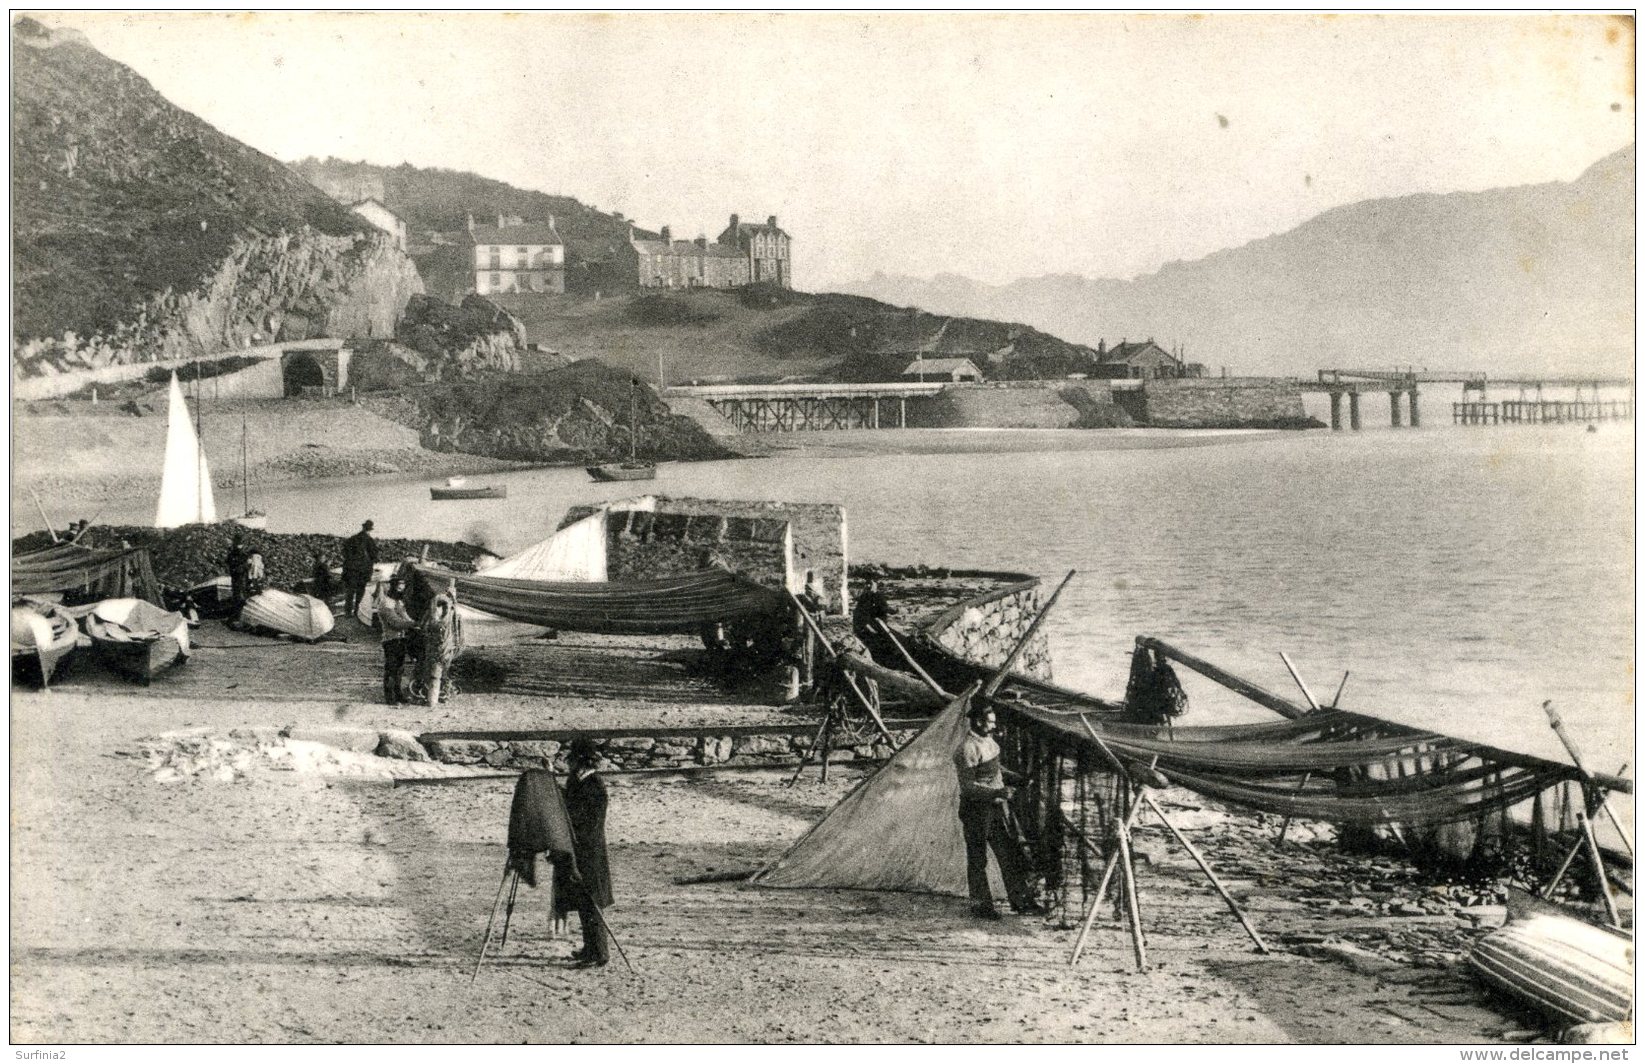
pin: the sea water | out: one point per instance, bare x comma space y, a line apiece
1459, 576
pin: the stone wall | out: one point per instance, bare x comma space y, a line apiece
1007, 404
747, 746
642, 545
1224, 402
985, 629
821, 541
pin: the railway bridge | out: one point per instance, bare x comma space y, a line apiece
810, 407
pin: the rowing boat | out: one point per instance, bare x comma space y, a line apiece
489, 491
300, 616
42, 635
1570, 969
136, 638
624, 471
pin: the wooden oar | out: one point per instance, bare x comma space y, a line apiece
1558, 724
906, 656
993, 685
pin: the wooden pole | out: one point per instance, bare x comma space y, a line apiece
906, 656
1132, 909
43, 516
1285, 825
1599, 870
1292, 669
1336, 699
1261, 696
1205, 867
993, 685
489, 923
850, 680
1558, 724
1102, 888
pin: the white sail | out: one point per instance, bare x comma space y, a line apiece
185, 484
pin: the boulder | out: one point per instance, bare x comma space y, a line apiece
401, 745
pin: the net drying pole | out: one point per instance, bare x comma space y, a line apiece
906, 656
999, 677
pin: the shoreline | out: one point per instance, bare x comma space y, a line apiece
65, 491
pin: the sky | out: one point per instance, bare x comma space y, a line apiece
992, 146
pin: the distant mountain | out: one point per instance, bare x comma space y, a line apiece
1535, 278
143, 232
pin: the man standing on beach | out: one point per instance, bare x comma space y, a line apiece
983, 811
359, 555
397, 625
871, 606
586, 887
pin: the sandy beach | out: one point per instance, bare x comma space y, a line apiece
282, 891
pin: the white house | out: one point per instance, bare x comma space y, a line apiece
373, 211
943, 369
514, 256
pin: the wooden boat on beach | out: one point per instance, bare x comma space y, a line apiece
42, 636
136, 638
299, 616
458, 488
1567, 968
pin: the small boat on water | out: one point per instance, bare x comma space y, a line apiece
624, 471
458, 488
136, 638
255, 519
42, 635
1567, 968
300, 616
633, 469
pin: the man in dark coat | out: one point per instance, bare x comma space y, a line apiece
871, 606
359, 555
587, 887
236, 562
538, 822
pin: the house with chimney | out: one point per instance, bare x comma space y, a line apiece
766, 249
515, 256
1142, 359
668, 263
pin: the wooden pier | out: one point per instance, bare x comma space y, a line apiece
811, 407
1540, 411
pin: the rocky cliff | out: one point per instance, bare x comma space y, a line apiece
142, 233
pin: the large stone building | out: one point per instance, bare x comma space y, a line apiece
514, 256
1142, 358
669, 263
766, 249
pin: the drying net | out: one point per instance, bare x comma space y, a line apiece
83, 574
636, 607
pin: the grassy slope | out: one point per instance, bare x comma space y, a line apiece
118, 195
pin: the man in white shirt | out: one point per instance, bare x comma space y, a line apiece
982, 816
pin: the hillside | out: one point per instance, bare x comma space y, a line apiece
138, 227
764, 334
439, 200
1532, 278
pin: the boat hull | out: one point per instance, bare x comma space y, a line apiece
1564, 967
37, 655
617, 471
253, 520
446, 494
138, 660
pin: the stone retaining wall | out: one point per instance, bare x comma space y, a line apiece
986, 629
749, 746
1223, 402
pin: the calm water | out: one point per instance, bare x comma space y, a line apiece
1462, 575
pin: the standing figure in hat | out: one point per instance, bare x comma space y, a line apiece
589, 891
359, 555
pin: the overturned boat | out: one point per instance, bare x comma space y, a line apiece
1567, 968
299, 616
136, 638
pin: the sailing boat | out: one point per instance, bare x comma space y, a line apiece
249, 518
185, 482
633, 469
